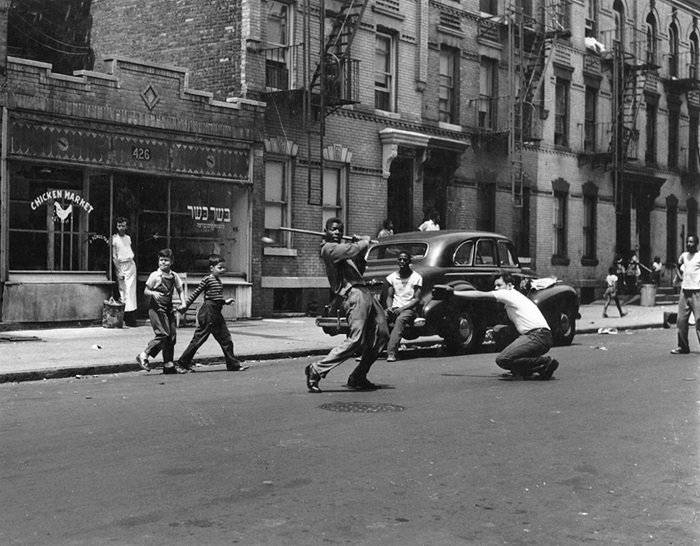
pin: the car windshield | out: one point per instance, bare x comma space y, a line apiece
392, 251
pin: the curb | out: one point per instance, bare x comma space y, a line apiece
103, 369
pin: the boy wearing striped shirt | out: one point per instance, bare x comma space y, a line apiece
209, 317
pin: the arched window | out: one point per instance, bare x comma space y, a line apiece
694, 56
651, 39
673, 50
619, 15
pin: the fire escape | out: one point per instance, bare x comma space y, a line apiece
533, 29
630, 66
325, 80
531, 44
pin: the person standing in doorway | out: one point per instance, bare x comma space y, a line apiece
688, 268
125, 267
432, 223
387, 229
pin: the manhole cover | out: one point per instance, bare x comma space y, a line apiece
361, 407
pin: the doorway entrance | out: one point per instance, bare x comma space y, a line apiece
400, 192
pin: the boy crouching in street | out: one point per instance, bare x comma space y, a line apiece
159, 289
209, 317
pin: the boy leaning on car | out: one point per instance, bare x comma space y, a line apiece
403, 294
524, 357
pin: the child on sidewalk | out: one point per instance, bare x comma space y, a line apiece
611, 292
209, 316
159, 289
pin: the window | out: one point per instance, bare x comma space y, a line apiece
485, 253
384, 72
277, 182
590, 204
561, 112
693, 150
673, 121
392, 251
204, 218
651, 39
463, 255
277, 53
54, 216
333, 191
488, 6
487, 93
449, 63
694, 56
619, 21
673, 51
650, 152
560, 219
589, 119
506, 255
560, 15
591, 18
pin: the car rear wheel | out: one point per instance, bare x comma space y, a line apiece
563, 323
462, 335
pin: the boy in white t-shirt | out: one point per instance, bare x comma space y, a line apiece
524, 356
401, 300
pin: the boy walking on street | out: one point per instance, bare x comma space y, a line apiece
159, 289
209, 317
611, 293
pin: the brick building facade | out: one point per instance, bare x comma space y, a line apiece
418, 116
125, 138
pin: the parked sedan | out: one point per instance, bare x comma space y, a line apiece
465, 260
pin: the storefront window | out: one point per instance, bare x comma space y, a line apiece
61, 220
204, 220
52, 218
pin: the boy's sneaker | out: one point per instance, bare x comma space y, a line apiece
391, 357
312, 379
142, 360
236, 366
170, 368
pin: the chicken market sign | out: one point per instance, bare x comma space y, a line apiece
59, 198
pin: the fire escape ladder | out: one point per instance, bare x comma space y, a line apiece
340, 38
632, 100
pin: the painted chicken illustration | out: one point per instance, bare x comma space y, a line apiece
62, 213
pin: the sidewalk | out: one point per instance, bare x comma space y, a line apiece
27, 355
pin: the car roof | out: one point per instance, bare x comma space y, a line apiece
445, 236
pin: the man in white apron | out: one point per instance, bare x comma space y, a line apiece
123, 259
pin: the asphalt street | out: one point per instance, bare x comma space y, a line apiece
446, 453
